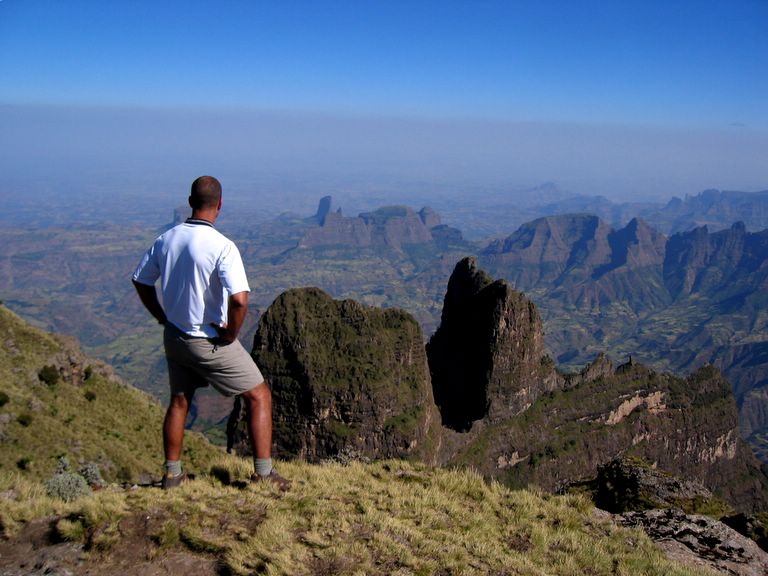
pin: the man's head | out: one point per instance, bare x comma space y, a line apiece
205, 194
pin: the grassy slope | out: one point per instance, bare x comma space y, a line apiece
386, 518
98, 419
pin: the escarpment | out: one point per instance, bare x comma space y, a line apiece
347, 377
515, 417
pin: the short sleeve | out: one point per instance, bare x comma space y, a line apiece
232, 271
148, 271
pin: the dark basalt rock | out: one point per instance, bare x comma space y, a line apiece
487, 358
344, 376
631, 484
700, 540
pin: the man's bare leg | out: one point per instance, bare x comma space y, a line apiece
173, 426
258, 406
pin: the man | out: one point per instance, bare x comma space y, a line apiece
205, 299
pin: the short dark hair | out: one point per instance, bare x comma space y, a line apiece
205, 193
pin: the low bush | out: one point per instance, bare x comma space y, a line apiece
49, 374
67, 486
92, 475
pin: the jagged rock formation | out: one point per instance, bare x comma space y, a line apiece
487, 358
523, 422
680, 303
345, 376
700, 541
687, 426
323, 209
586, 261
717, 209
391, 226
700, 261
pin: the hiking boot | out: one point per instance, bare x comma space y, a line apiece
283, 484
169, 482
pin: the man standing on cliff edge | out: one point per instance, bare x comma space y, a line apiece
205, 299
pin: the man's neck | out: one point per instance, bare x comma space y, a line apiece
207, 215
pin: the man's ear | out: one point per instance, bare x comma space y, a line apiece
189, 201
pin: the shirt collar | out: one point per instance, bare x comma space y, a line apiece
199, 221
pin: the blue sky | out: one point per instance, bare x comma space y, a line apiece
459, 91
701, 63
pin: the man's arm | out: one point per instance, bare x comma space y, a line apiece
237, 307
148, 297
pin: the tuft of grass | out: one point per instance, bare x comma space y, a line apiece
168, 535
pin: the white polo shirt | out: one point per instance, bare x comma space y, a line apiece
199, 268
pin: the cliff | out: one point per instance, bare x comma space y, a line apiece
345, 378
516, 418
582, 260
489, 341
679, 303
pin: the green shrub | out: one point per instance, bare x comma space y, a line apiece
23, 463
92, 475
90, 395
67, 486
62, 465
4, 399
87, 373
49, 375
25, 419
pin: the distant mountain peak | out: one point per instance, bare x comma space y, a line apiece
391, 226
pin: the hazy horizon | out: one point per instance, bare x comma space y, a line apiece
417, 102
289, 160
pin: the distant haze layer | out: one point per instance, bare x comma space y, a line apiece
286, 160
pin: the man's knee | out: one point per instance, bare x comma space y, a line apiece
179, 402
258, 395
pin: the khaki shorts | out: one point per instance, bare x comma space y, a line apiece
197, 362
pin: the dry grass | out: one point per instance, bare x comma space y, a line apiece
385, 518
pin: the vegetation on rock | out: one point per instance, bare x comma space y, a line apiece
344, 375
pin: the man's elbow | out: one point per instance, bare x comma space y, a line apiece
239, 300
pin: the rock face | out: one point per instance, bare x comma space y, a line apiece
630, 484
518, 419
487, 358
391, 226
701, 541
588, 262
344, 377
717, 209
323, 208
678, 303
686, 426
699, 261
347, 377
